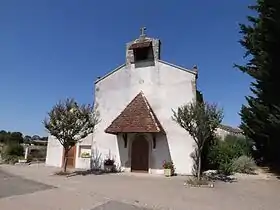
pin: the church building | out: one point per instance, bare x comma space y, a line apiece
135, 103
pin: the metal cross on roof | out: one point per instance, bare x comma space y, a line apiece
142, 30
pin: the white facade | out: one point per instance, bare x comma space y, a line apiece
223, 132
54, 152
165, 87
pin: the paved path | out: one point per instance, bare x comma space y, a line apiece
121, 192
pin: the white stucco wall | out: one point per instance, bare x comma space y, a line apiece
54, 152
84, 145
156, 155
222, 133
165, 87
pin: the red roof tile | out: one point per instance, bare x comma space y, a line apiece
140, 45
137, 117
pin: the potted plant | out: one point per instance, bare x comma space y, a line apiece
168, 168
109, 164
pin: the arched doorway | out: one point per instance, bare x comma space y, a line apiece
140, 155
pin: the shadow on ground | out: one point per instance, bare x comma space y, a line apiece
89, 172
220, 177
274, 169
11, 185
115, 205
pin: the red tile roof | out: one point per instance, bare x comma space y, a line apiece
137, 117
140, 45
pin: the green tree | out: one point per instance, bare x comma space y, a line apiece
16, 137
200, 120
261, 115
3, 136
69, 123
10, 137
27, 139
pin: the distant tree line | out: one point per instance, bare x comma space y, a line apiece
8, 137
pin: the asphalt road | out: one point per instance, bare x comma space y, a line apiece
11, 185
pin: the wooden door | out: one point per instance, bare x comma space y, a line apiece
140, 155
71, 157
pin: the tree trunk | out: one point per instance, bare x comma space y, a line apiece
65, 160
199, 166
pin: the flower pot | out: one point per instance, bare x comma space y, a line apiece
108, 168
167, 172
22, 161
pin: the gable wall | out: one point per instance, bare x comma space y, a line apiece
165, 88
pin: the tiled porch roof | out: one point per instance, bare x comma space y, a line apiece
137, 117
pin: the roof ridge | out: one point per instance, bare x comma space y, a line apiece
178, 67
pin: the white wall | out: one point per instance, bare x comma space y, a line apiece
84, 145
157, 155
54, 152
165, 87
222, 133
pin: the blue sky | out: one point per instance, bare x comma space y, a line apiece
53, 49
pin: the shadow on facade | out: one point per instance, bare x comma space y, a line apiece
96, 160
144, 64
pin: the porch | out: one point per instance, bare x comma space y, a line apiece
141, 140
143, 152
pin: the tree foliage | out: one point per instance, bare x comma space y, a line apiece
222, 154
261, 115
200, 120
8, 137
69, 123
12, 152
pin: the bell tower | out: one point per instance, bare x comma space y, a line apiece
143, 49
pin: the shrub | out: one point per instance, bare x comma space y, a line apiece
241, 145
38, 154
225, 168
244, 164
13, 150
222, 154
109, 162
209, 145
11, 159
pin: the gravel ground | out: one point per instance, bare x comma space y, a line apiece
136, 191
